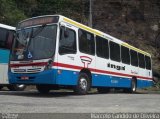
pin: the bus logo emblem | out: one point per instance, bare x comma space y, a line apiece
86, 61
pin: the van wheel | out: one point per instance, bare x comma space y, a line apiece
133, 87
44, 89
16, 87
83, 84
103, 90
1, 87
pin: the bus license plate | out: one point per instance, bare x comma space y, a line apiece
24, 78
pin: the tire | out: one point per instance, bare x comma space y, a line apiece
16, 87
83, 84
133, 87
44, 89
103, 90
1, 87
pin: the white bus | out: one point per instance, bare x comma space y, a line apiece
6, 37
53, 51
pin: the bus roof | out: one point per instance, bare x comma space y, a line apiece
96, 32
7, 27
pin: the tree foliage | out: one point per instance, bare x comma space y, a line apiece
9, 13
12, 11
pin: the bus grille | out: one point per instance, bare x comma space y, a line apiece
32, 70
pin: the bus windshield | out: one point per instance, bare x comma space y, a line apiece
34, 43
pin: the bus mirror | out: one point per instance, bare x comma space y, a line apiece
66, 33
62, 25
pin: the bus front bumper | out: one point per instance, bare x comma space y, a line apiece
45, 77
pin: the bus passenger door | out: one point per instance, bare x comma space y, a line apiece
67, 55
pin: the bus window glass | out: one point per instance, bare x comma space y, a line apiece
10, 39
148, 62
134, 58
125, 56
141, 60
114, 51
29, 43
102, 49
67, 42
3, 38
86, 42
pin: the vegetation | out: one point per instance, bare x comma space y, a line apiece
9, 13
12, 11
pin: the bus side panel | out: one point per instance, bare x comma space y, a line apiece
4, 56
109, 81
67, 77
144, 83
4, 59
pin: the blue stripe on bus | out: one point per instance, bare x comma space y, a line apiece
71, 78
110, 81
4, 56
144, 83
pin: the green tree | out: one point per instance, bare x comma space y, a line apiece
9, 13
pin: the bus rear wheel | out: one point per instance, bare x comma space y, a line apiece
44, 89
103, 90
83, 84
133, 87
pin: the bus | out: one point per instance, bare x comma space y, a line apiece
54, 52
6, 37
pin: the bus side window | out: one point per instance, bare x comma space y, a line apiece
102, 49
86, 42
67, 41
3, 37
10, 40
125, 55
141, 60
134, 58
114, 51
148, 62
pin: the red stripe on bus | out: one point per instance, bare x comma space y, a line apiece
97, 70
29, 64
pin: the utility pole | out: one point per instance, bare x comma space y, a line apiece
90, 13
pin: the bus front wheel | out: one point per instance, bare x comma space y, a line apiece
44, 89
83, 84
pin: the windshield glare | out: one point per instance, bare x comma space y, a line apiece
35, 43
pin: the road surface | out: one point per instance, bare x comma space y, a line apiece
67, 102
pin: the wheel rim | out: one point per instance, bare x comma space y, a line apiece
20, 86
133, 86
83, 83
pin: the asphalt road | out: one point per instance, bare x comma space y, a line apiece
67, 102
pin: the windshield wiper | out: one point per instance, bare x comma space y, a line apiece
39, 30
22, 41
34, 34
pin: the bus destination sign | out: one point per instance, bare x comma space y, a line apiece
39, 21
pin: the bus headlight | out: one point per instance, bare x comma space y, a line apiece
49, 65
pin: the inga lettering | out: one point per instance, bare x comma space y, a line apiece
115, 66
